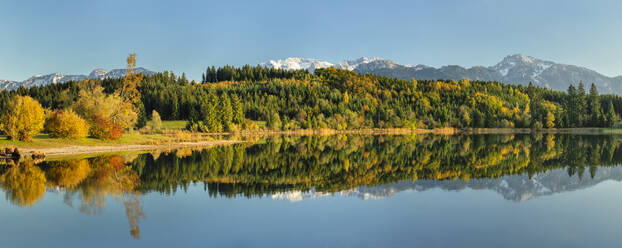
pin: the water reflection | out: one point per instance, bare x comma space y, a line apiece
519, 167
92, 181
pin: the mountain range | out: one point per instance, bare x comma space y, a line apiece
54, 78
513, 69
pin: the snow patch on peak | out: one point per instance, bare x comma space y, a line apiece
97, 73
297, 64
312, 64
353, 64
524, 65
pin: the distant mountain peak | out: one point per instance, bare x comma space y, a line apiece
98, 73
512, 69
54, 78
296, 63
522, 58
353, 64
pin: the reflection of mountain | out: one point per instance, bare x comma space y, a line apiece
522, 188
514, 187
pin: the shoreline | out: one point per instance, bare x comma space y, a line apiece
77, 150
225, 138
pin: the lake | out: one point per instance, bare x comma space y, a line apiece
529, 190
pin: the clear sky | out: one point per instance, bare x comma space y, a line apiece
74, 37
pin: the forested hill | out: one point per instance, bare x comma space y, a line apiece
236, 98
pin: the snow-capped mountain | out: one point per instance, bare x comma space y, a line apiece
513, 69
116, 73
364, 62
312, 64
54, 78
297, 64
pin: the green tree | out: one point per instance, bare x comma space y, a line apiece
211, 115
581, 105
274, 122
611, 116
594, 107
226, 112
238, 110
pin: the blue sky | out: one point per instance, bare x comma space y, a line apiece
74, 37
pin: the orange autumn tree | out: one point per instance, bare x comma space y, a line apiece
109, 115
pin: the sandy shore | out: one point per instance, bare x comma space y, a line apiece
72, 150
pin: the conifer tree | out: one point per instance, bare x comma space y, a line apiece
226, 112
238, 110
594, 105
611, 115
210, 114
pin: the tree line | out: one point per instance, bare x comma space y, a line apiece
232, 99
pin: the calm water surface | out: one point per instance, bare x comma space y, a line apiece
326, 191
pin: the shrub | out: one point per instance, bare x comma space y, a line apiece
251, 125
197, 126
66, 124
274, 122
103, 128
23, 118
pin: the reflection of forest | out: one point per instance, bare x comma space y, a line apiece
336, 163
319, 163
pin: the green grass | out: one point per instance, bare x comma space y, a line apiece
45, 141
172, 125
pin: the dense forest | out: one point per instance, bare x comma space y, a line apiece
232, 99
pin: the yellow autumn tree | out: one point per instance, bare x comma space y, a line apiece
23, 119
66, 124
92, 100
129, 92
550, 120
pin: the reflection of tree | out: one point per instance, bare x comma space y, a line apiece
321, 163
110, 177
24, 184
134, 212
68, 174
94, 181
